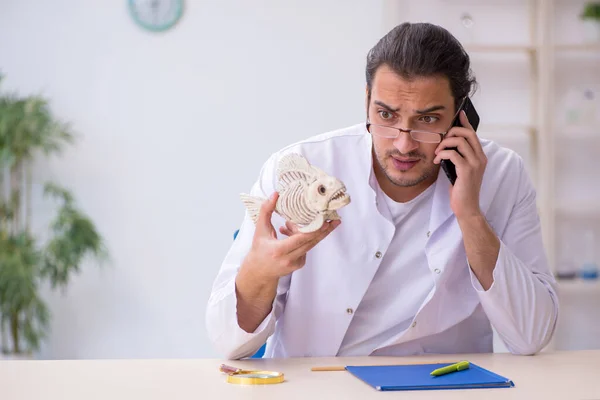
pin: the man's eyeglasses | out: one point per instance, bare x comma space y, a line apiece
391, 132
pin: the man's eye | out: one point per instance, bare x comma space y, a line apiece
385, 114
428, 119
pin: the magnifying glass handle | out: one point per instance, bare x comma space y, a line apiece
228, 369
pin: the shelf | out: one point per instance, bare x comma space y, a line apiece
512, 132
524, 48
507, 127
578, 286
500, 48
513, 129
583, 47
585, 210
579, 135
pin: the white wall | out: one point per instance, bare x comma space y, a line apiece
173, 127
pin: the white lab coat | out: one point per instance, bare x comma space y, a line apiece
313, 307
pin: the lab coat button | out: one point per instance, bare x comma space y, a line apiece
428, 233
437, 270
414, 324
349, 310
378, 254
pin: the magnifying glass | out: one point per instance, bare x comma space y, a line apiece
251, 377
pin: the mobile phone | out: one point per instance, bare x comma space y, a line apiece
473, 117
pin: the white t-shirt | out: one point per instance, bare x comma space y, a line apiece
402, 281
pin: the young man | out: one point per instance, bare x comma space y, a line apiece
416, 264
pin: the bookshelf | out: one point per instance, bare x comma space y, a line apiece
528, 56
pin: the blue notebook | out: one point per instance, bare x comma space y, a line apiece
417, 377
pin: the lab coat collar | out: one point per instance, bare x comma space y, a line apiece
440, 209
368, 149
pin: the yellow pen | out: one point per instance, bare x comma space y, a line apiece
459, 366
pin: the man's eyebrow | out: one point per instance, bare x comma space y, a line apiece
382, 104
430, 109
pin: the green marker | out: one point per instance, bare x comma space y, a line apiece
459, 366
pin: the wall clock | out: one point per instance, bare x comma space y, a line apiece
156, 15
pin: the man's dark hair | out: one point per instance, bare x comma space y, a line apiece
420, 50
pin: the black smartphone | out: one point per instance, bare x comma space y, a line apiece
473, 117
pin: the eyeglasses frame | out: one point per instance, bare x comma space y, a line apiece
368, 124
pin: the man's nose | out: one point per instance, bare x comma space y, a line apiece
405, 143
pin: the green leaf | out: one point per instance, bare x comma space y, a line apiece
591, 10
74, 237
26, 126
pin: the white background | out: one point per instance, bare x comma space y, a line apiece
174, 126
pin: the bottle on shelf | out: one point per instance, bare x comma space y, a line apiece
589, 269
567, 268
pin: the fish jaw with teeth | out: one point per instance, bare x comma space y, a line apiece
327, 194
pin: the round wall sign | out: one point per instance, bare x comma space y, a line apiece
156, 15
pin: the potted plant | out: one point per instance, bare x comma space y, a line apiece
591, 20
28, 129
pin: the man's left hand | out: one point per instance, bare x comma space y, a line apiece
470, 166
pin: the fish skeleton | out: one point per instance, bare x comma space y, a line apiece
307, 195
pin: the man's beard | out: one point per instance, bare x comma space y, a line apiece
405, 182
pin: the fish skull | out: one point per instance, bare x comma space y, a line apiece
327, 193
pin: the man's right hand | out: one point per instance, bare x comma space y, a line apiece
268, 260
272, 258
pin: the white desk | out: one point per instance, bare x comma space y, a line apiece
561, 375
